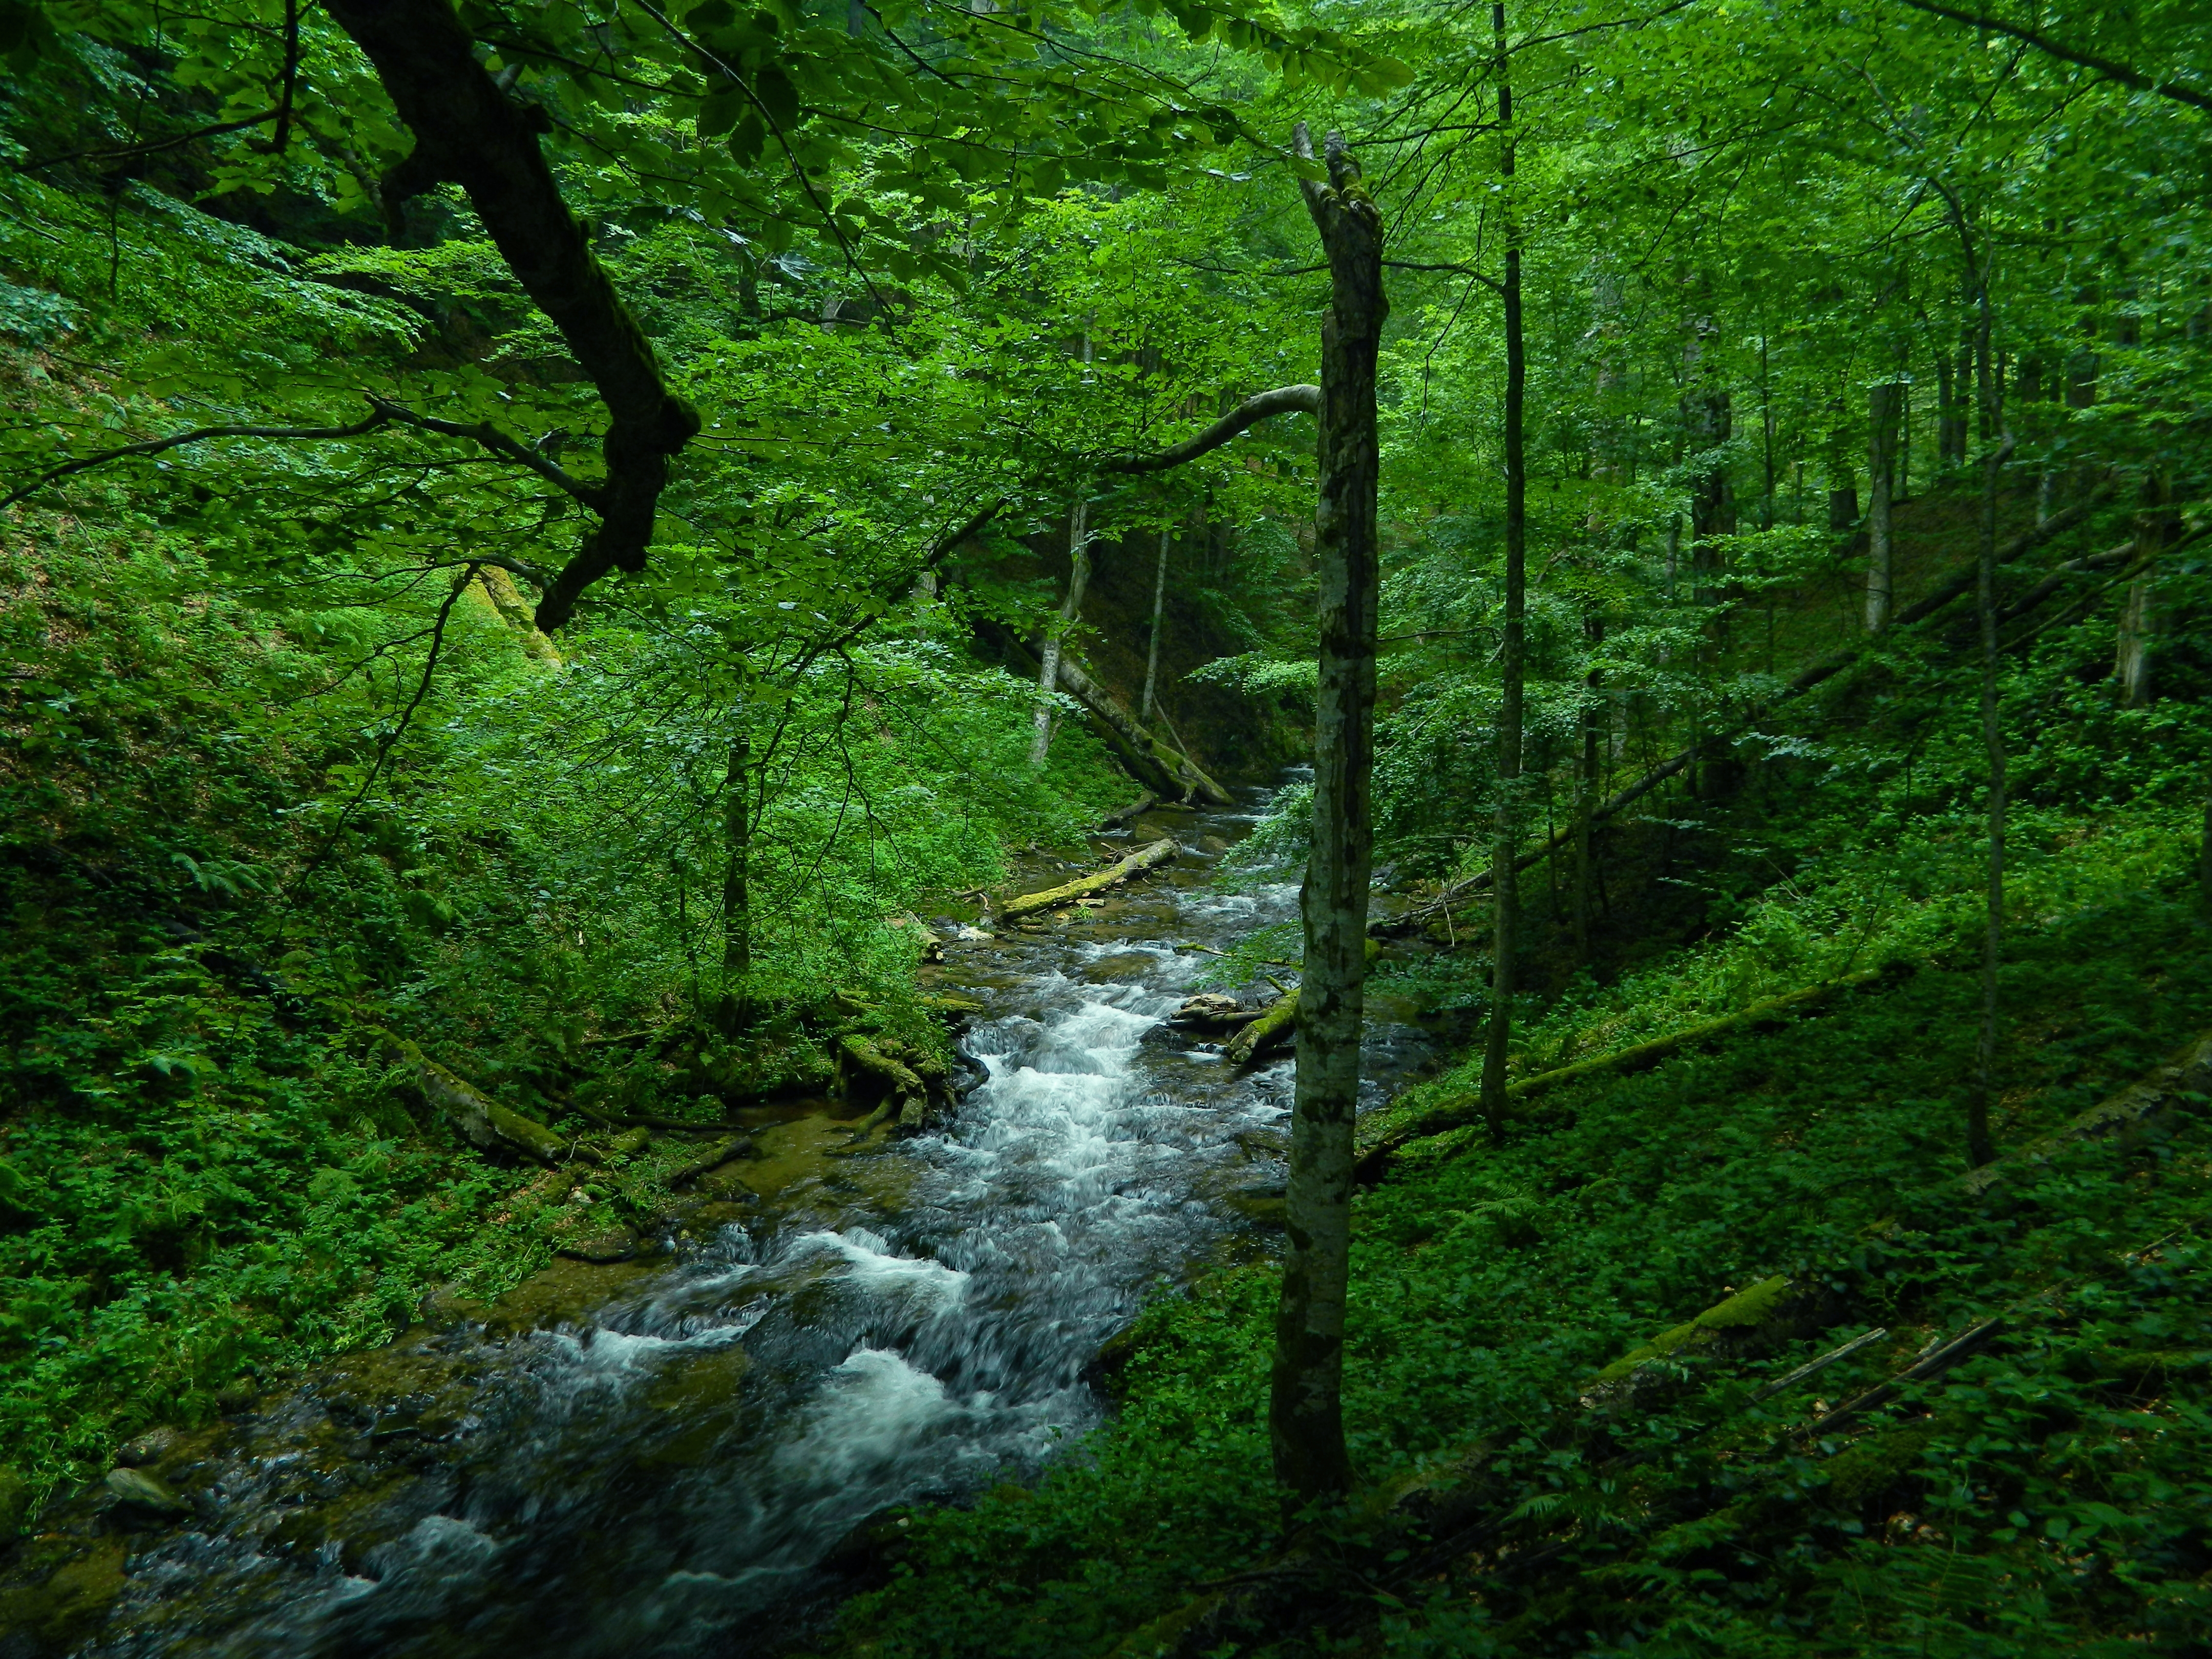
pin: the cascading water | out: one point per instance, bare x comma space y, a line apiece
672, 1474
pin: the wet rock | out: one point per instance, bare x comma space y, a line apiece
46, 1609
445, 1309
868, 1553
15, 1499
150, 1447
613, 1244
1128, 964
143, 1491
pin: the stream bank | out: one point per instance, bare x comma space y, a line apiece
683, 1453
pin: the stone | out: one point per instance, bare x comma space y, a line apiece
146, 1492
150, 1447
616, 1244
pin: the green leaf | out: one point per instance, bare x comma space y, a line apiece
778, 97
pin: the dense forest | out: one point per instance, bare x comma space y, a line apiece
948, 828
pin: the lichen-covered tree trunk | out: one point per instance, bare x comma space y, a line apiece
1152, 647
1305, 1415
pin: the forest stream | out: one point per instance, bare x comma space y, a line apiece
684, 1454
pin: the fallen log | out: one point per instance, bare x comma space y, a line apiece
2188, 1072
1137, 808
482, 1120
1162, 771
1957, 584
1145, 858
1275, 1027
1459, 1110
712, 1157
1189, 779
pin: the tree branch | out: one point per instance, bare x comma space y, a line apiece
2131, 78
1282, 400
158, 446
467, 131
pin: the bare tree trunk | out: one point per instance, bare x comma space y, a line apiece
1882, 402
737, 880
1078, 578
1152, 649
1505, 895
1305, 1415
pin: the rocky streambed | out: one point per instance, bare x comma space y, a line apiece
695, 1451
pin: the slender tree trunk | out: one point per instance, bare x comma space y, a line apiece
1586, 789
1881, 472
1980, 1147
737, 881
2132, 664
1305, 1413
1152, 649
1078, 578
1505, 897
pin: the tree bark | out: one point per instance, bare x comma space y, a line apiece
468, 131
1078, 578
1882, 405
1152, 646
1505, 897
1305, 1413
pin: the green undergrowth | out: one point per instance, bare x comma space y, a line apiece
2047, 1497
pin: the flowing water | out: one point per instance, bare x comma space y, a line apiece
673, 1470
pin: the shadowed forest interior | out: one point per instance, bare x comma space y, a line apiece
989, 830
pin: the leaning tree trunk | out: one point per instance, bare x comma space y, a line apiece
1305, 1414
1506, 893
1078, 578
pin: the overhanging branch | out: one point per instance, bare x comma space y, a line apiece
1282, 400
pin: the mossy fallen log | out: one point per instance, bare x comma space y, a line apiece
711, 1157
1135, 809
1146, 858
482, 1120
2187, 1072
1274, 1027
1459, 1110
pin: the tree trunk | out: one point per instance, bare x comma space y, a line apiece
1586, 787
1505, 895
1152, 647
2132, 664
1980, 1149
737, 881
1882, 402
1305, 1413
1078, 578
